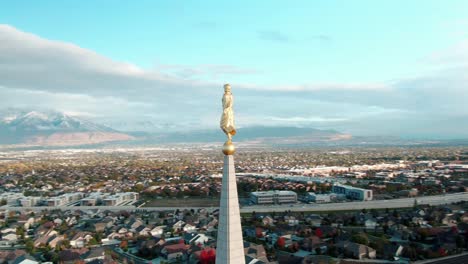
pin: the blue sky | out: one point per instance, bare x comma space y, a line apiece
363, 67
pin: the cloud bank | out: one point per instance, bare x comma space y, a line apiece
37, 72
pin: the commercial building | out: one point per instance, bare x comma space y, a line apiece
319, 198
454, 167
352, 192
273, 197
11, 198
93, 199
56, 201
121, 198
65, 199
30, 201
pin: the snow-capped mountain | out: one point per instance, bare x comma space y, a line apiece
19, 120
141, 126
52, 128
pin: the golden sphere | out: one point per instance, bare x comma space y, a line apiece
228, 148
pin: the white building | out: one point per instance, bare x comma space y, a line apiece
73, 197
93, 199
273, 197
30, 201
319, 198
65, 199
370, 224
199, 239
11, 198
121, 198
157, 231
189, 228
56, 201
353, 192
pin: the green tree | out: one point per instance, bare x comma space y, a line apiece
318, 251
332, 251
93, 241
98, 236
55, 257
139, 188
20, 231
29, 246
66, 243
460, 241
360, 238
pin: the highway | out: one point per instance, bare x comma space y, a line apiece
377, 204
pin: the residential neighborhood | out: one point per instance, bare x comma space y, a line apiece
189, 236
154, 206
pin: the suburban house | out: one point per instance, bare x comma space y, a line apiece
356, 250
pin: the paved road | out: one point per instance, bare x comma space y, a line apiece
378, 204
456, 259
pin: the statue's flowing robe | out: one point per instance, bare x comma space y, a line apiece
227, 118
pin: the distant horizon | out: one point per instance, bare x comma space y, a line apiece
386, 68
205, 133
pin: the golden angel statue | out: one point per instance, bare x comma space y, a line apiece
227, 118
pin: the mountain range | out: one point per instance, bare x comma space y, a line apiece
53, 128
264, 135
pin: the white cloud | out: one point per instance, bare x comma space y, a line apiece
34, 63
75, 104
38, 72
321, 87
454, 55
310, 119
19, 48
204, 71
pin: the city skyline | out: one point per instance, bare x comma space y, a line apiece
363, 68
